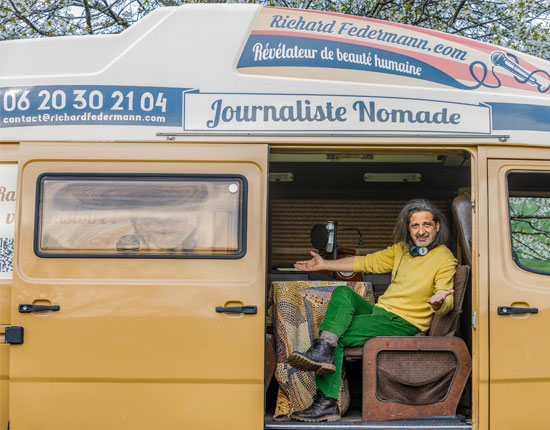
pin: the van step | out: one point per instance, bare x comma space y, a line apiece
443, 423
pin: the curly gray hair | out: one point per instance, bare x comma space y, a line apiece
401, 229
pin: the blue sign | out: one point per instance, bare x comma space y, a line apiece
90, 105
289, 51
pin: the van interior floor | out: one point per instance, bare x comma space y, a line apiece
352, 421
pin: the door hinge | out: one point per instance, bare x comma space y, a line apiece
473, 205
474, 320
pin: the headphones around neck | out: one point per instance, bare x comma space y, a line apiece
416, 251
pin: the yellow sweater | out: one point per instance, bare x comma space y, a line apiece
414, 281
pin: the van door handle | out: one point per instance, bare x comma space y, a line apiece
27, 309
509, 310
248, 309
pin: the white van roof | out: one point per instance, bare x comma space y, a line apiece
236, 69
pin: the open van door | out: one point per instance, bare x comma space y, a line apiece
139, 286
519, 290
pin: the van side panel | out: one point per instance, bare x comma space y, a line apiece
137, 343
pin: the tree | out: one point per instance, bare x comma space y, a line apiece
34, 18
518, 24
530, 224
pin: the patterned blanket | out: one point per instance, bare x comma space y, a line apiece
297, 310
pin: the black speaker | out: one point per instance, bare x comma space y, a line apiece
319, 236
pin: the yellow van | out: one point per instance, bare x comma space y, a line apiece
167, 178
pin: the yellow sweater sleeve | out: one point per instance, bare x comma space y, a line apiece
377, 262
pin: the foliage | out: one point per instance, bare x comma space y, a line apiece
530, 223
517, 24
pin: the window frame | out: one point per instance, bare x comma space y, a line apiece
514, 256
242, 236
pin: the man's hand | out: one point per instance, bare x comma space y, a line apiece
315, 264
318, 263
437, 299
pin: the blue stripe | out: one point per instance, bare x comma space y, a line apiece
427, 72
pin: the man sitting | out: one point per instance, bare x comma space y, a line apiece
422, 270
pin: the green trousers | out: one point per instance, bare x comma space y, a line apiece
354, 320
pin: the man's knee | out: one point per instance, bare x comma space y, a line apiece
342, 291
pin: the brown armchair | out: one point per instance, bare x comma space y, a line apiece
462, 215
417, 376
406, 377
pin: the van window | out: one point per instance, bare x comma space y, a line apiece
140, 216
529, 209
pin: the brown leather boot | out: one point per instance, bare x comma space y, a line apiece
319, 358
322, 409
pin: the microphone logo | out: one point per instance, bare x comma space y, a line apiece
506, 61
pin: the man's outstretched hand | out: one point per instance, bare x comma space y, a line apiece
437, 299
313, 265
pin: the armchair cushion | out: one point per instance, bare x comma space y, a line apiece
414, 377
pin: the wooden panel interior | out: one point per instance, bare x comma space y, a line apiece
321, 192
292, 220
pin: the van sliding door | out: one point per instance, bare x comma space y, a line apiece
139, 283
519, 292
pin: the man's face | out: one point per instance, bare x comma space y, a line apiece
423, 228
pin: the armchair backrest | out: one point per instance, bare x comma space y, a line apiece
446, 325
462, 216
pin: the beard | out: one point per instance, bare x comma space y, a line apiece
423, 241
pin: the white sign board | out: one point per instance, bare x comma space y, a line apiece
321, 113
